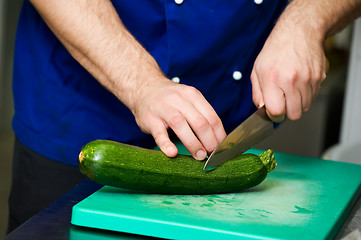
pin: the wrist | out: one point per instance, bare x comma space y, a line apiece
136, 78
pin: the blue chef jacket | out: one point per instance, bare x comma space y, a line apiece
209, 44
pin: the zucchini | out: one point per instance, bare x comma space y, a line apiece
131, 167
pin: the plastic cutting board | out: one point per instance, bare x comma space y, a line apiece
303, 198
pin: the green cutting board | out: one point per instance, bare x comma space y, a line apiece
303, 198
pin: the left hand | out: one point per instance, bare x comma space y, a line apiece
288, 72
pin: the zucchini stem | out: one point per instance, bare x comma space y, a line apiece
268, 159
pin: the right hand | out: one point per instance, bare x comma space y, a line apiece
183, 109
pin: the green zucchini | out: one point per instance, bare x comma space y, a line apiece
131, 167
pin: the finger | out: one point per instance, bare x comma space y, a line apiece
206, 123
217, 127
306, 92
179, 125
293, 99
199, 125
315, 89
162, 140
256, 90
316, 84
202, 128
275, 102
320, 68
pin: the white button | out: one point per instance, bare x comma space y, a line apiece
179, 2
237, 75
258, 1
176, 79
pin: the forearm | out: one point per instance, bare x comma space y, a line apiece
322, 18
94, 35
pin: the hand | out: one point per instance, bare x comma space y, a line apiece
288, 72
183, 109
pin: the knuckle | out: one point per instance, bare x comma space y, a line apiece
176, 120
323, 74
157, 134
307, 75
319, 77
292, 77
159, 139
295, 77
275, 110
273, 75
192, 90
276, 114
214, 121
158, 130
172, 96
201, 123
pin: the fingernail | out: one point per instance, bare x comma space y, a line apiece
200, 155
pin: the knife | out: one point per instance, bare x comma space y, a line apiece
255, 128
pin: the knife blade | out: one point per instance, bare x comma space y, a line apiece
250, 132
